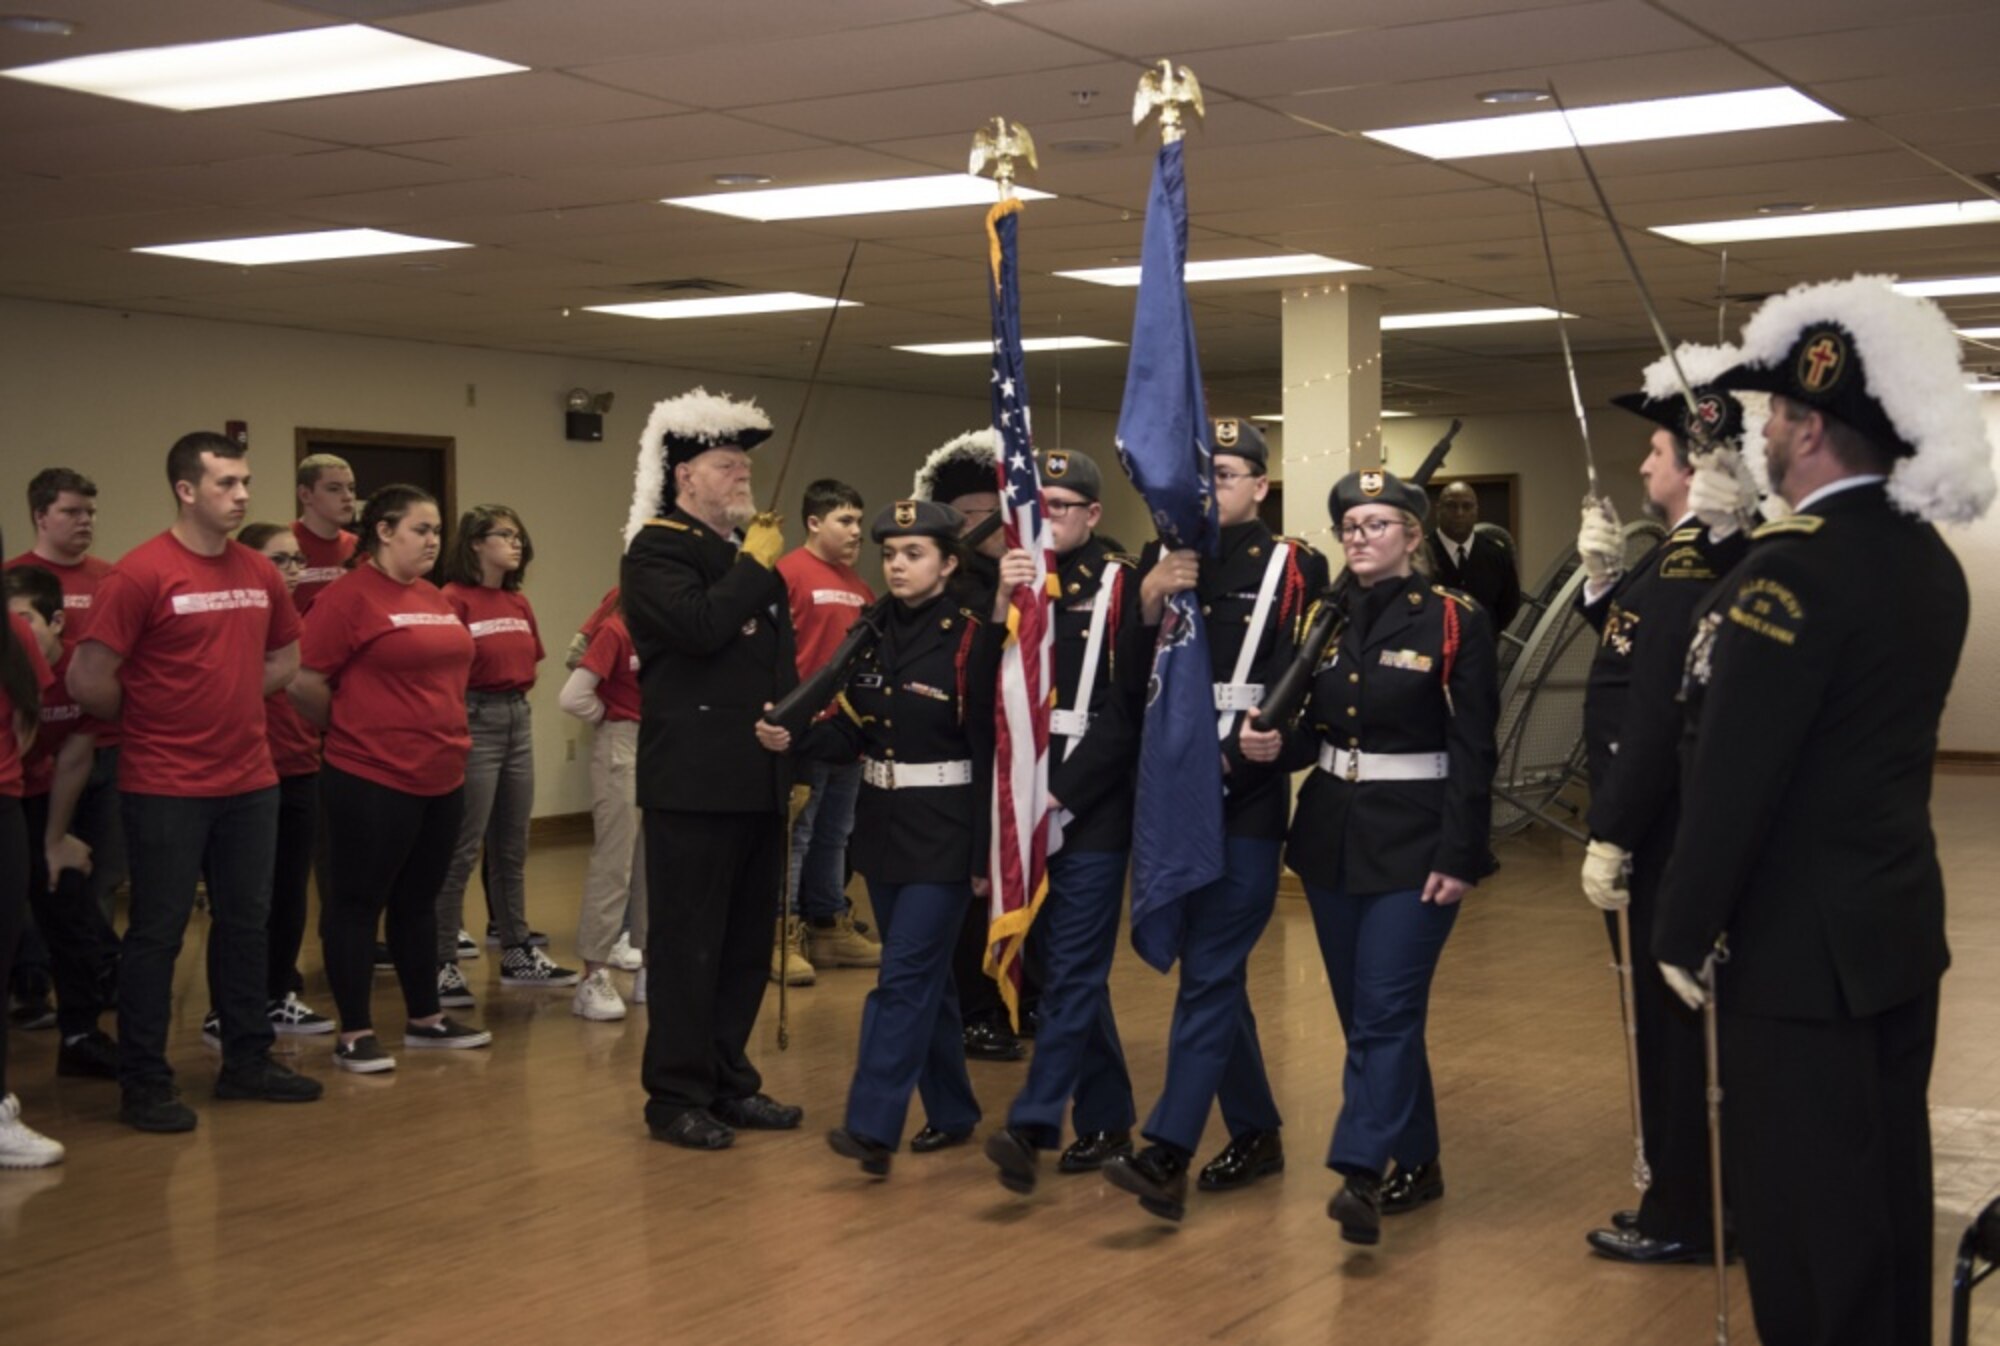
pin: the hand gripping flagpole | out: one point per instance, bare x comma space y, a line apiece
1713, 1060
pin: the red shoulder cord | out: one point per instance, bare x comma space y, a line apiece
960, 660
1292, 605
1450, 649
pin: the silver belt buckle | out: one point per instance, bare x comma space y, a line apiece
1353, 765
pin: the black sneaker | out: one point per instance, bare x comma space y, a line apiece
363, 1056
526, 965
268, 1082
211, 1030
446, 1034
383, 962
293, 1017
154, 1107
453, 993
92, 1056
32, 1014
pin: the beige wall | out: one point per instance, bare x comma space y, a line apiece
1972, 717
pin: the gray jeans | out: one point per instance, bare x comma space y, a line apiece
499, 799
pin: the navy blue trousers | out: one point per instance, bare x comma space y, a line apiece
1380, 953
1212, 1055
911, 1035
1076, 1044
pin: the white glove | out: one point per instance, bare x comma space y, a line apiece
1684, 985
1607, 871
1723, 493
1600, 542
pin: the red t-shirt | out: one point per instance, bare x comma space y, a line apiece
506, 644
397, 657
11, 774
606, 607
826, 597
294, 742
616, 664
193, 631
79, 585
325, 562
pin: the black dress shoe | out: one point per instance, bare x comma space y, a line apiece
930, 1140
1408, 1188
993, 1042
873, 1156
1088, 1153
1624, 1219
1156, 1175
154, 1106
696, 1129
92, 1056
1358, 1208
1248, 1157
759, 1112
268, 1082
1629, 1245
1016, 1158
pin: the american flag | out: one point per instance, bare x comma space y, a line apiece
1018, 865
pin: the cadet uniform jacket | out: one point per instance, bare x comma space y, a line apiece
922, 694
1399, 686
1257, 797
1096, 781
1815, 681
713, 632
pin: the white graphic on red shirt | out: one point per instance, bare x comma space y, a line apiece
498, 626
841, 597
423, 619
220, 600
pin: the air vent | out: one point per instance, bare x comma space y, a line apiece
685, 285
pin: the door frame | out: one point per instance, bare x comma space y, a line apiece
307, 441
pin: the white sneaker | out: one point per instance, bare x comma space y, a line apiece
639, 987
21, 1146
598, 999
468, 947
624, 957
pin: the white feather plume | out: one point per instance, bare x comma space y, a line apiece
1911, 357
1701, 364
980, 446
695, 414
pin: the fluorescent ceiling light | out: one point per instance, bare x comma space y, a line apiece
1984, 385
1949, 288
853, 198
1472, 317
274, 68
1611, 124
1271, 420
1065, 343
318, 246
1980, 333
1386, 415
722, 306
1232, 268
1876, 220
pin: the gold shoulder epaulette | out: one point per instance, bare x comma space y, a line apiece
1301, 544
1463, 600
1685, 535
1803, 525
674, 524
1122, 558
969, 614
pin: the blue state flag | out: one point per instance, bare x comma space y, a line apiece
1163, 444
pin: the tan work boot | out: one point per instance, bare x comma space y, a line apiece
841, 945
789, 959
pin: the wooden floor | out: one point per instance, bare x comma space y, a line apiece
512, 1195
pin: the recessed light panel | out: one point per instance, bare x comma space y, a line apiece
1030, 344
1949, 288
1611, 124
319, 246
722, 306
274, 68
1234, 268
1472, 317
1876, 220
833, 199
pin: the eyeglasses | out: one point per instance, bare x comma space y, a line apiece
1058, 508
286, 558
1371, 529
1226, 477
504, 534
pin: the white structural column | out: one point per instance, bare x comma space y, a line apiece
1333, 400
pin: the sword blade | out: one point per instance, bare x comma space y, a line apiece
1712, 1054
1562, 331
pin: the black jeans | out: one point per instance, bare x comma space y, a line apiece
83, 948
298, 821
385, 848
172, 842
13, 882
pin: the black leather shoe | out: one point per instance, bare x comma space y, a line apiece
759, 1112
1358, 1208
696, 1129
1248, 1157
993, 1042
268, 1082
1629, 1245
873, 1156
1156, 1175
1016, 1158
1624, 1219
1408, 1188
930, 1140
154, 1107
1088, 1153
92, 1056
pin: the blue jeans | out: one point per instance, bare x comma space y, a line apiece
911, 1036
819, 840
172, 842
1380, 953
1076, 1045
1212, 1055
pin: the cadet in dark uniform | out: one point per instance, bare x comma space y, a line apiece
1100, 686
1391, 830
1632, 730
709, 618
963, 473
918, 711
1254, 594
1816, 679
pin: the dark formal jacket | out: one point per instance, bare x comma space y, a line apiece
1631, 709
1490, 576
713, 631
1095, 782
1389, 686
1815, 681
923, 693
1257, 797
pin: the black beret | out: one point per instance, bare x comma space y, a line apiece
916, 518
1375, 487
1823, 372
1229, 434
1073, 470
1721, 414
